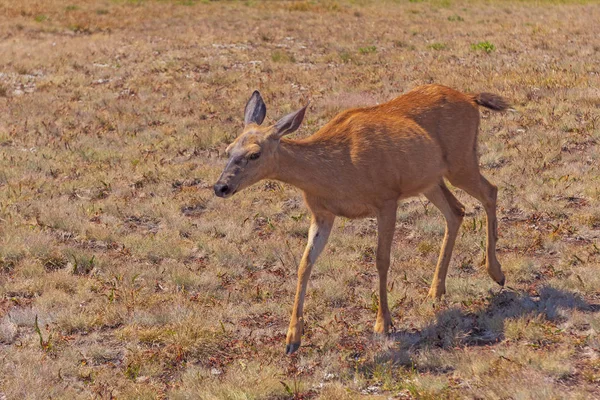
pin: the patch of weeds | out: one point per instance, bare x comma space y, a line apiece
3, 90
80, 29
277, 56
72, 8
295, 389
280, 56
193, 210
83, 265
332, 6
21, 70
102, 11
103, 191
403, 45
132, 370
41, 18
485, 46
438, 46
455, 18
300, 6
314, 6
346, 56
54, 261
416, 1
425, 248
46, 345
473, 225
367, 50
591, 371
7, 264
593, 221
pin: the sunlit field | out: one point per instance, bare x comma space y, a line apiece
122, 276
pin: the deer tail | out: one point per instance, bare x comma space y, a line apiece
491, 101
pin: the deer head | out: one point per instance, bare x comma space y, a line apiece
253, 154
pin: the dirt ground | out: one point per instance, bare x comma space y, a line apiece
123, 276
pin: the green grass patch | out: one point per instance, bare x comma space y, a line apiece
282, 57
367, 50
346, 56
455, 18
438, 46
485, 46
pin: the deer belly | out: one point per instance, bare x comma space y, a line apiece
349, 206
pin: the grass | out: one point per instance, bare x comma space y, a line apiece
455, 18
438, 46
485, 46
367, 49
279, 56
121, 275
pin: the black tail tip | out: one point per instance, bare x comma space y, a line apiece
491, 101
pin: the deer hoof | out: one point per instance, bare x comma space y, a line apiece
436, 294
291, 348
381, 328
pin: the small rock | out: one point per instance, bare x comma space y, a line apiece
329, 376
371, 390
8, 331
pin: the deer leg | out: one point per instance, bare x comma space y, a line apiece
453, 212
386, 224
480, 188
318, 234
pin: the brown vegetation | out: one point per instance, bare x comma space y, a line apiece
121, 275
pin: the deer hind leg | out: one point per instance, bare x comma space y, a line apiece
318, 235
386, 224
453, 212
475, 184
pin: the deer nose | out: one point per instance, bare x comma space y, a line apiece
221, 189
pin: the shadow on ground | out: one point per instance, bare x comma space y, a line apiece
455, 327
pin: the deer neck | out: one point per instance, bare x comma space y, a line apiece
304, 164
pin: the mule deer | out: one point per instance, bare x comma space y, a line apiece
361, 164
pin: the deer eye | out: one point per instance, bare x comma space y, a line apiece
254, 156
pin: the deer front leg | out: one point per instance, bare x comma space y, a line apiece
386, 224
318, 234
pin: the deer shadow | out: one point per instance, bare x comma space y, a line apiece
454, 327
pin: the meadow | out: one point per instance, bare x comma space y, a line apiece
122, 276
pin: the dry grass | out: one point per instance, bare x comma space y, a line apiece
113, 115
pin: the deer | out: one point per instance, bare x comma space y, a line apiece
361, 164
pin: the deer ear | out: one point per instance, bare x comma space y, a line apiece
289, 123
256, 110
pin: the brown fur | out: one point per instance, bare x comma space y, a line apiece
363, 162
491, 101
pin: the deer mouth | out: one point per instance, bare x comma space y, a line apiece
229, 194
